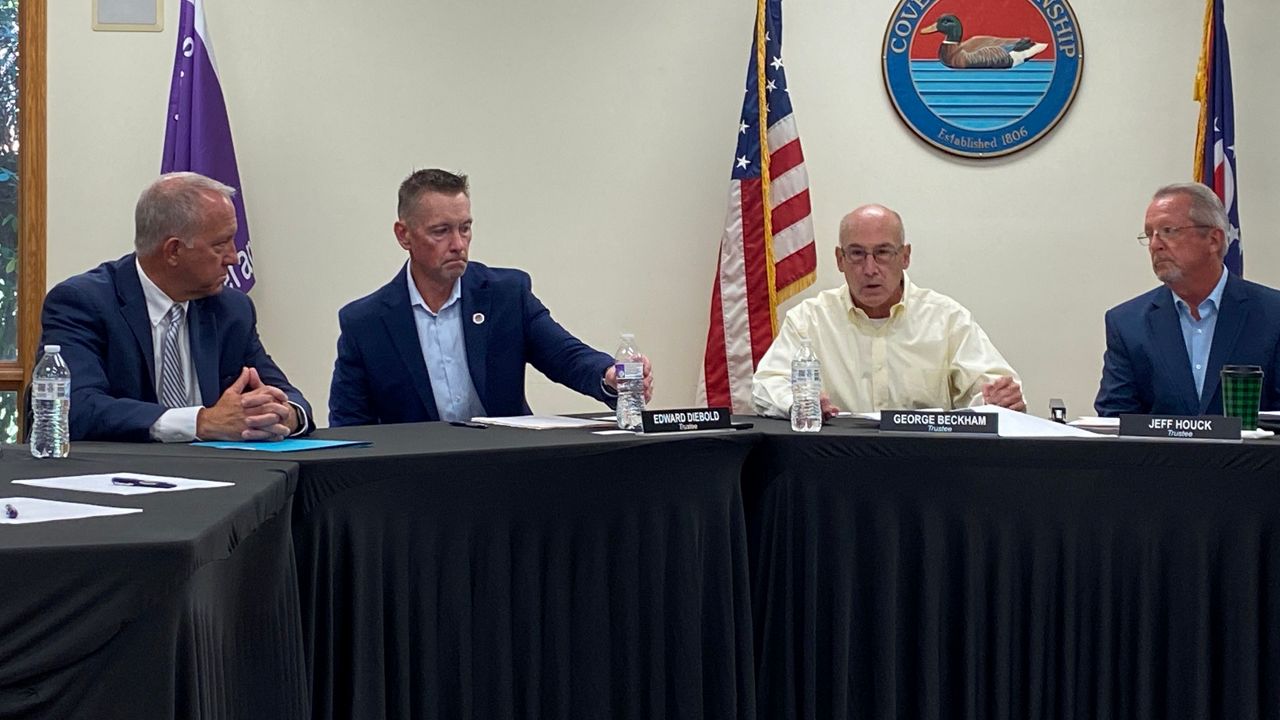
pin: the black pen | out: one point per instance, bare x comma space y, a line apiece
463, 423
136, 482
10, 511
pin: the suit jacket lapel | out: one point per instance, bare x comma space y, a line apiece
1171, 348
475, 328
398, 320
202, 328
133, 307
1233, 316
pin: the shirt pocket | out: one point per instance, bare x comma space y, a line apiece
925, 388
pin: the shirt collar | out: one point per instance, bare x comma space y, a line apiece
415, 297
1214, 299
908, 290
158, 302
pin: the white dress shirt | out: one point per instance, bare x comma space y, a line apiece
929, 353
179, 424
176, 424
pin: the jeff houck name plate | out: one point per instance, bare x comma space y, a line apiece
1207, 427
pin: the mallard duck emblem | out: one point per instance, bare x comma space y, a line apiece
980, 51
990, 85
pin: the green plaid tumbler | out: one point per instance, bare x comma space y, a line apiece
1241, 392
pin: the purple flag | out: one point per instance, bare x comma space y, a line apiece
198, 135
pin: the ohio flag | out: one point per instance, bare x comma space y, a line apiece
1215, 163
767, 250
198, 136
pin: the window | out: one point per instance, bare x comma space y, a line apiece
22, 199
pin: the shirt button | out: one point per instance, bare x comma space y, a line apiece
1199, 366
1199, 331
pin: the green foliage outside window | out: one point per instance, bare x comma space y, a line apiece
8, 205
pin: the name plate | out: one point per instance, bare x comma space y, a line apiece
1208, 427
952, 421
680, 420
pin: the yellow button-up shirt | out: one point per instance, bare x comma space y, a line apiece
929, 353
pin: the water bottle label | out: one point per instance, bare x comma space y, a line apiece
49, 390
629, 371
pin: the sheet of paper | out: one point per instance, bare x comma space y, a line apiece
34, 510
1089, 421
615, 432
1021, 425
1269, 414
543, 422
101, 483
875, 415
280, 446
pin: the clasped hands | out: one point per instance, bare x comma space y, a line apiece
248, 410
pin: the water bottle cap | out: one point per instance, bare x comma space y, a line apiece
51, 349
628, 336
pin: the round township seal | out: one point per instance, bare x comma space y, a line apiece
982, 78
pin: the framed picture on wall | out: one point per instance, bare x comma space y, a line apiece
128, 15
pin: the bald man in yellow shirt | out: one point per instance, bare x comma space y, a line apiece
884, 342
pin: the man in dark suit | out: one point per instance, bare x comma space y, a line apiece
1166, 347
157, 350
448, 339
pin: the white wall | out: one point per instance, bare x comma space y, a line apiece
599, 136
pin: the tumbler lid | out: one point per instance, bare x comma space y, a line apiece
1242, 370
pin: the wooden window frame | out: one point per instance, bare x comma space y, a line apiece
33, 28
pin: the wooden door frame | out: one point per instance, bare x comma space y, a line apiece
32, 178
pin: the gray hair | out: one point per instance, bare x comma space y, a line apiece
1206, 206
173, 206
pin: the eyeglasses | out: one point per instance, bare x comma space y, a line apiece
882, 254
1169, 234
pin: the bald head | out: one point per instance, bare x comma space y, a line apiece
876, 220
872, 255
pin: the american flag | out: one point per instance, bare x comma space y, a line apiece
767, 251
1215, 163
197, 133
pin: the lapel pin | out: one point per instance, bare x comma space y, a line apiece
478, 318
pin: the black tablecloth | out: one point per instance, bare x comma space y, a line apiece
453, 572
186, 610
945, 577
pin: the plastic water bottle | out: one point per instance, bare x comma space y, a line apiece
51, 405
628, 369
806, 390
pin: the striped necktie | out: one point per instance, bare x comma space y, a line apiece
173, 384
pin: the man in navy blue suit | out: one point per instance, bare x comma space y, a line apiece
448, 339
157, 350
1166, 347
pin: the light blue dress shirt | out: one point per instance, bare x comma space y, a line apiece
1198, 334
445, 352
